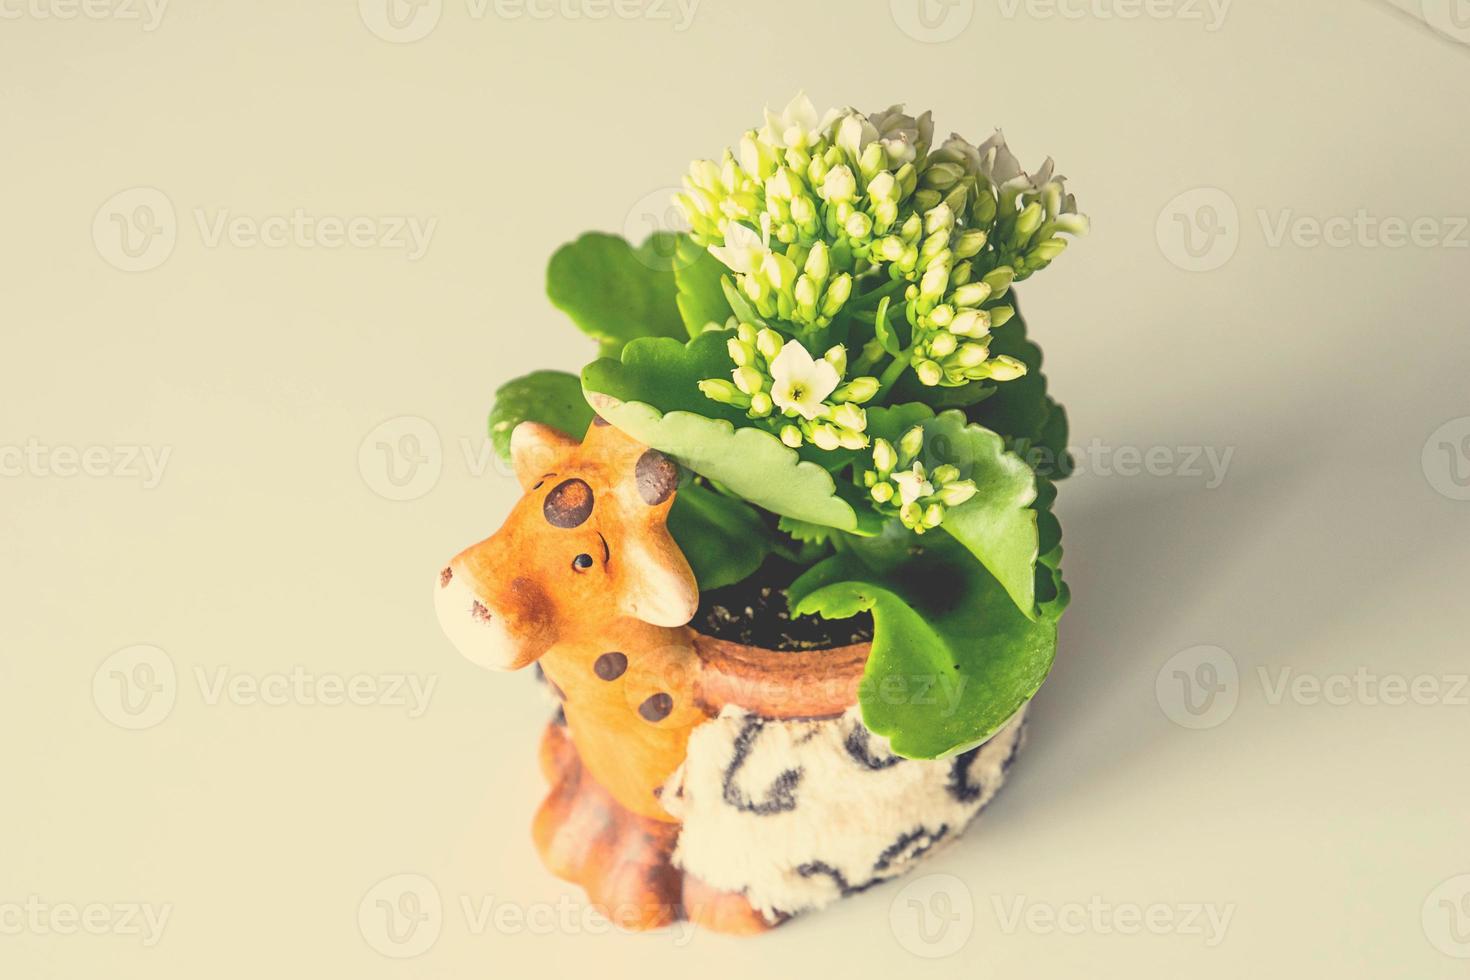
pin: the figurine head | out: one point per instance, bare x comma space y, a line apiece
587, 544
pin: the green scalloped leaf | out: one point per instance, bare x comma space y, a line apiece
953, 658
553, 398
701, 296
614, 292
652, 394
724, 539
999, 524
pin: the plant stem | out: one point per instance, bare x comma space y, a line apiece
893, 372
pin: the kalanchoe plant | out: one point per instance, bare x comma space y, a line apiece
835, 353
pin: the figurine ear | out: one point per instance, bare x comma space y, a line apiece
536, 450
660, 586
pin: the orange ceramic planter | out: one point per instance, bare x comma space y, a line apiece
691, 778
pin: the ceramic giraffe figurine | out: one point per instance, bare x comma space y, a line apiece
690, 777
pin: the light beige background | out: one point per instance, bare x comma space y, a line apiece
1333, 545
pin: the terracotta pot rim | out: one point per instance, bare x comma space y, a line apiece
785, 684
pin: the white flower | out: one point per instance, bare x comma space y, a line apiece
797, 126
853, 132
903, 136
743, 251
800, 382
912, 484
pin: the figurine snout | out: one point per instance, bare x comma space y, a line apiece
502, 633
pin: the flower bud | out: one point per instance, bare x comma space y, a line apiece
934, 515
883, 188
837, 292
825, 437
970, 323
805, 295
761, 405
1048, 249
1000, 280
1028, 221
837, 357
768, 342
740, 352
1006, 368
970, 294
942, 176
839, 185
883, 492
972, 355
970, 242
956, 493
745, 332
1000, 316
724, 392
858, 225
937, 220
910, 445
850, 416
818, 263
791, 436
852, 439
748, 380
946, 474
873, 160
929, 373
857, 391
891, 248
884, 457
942, 315
943, 345
778, 270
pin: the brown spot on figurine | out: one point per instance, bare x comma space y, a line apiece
569, 504
610, 666
658, 477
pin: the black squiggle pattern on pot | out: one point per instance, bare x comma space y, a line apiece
780, 795
860, 748
903, 847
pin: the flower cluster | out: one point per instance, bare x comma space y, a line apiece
802, 398
822, 221
899, 483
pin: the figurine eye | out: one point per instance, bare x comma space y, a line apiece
582, 562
